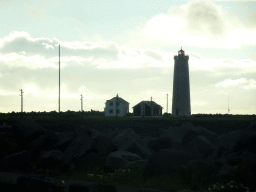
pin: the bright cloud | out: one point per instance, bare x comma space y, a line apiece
35, 53
243, 83
202, 24
200, 103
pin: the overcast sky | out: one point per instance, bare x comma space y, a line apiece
126, 47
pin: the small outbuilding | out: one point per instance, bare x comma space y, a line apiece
147, 109
116, 106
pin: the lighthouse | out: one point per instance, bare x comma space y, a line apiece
181, 88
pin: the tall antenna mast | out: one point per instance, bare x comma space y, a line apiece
59, 78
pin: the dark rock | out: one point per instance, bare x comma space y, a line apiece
78, 188
161, 143
183, 148
188, 138
35, 184
16, 161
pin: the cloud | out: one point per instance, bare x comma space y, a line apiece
165, 27
196, 55
19, 50
205, 17
39, 9
83, 88
242, 82
200, 23
154, 55
17, 42
199, 103
223, 66
5, 4
246, 10
14, 60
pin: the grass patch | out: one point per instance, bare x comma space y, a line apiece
132, 178
177, 181
63, 117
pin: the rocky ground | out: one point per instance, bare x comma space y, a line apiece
146, 127
166, 145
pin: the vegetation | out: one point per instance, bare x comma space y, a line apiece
132, 178
71, 116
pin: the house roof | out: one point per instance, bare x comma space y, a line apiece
154, 104
119, 99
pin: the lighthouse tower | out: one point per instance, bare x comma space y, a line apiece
181, 88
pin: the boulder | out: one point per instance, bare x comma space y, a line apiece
182, 148
31, 184
50, 158
16, 161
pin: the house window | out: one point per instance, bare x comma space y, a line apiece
111, 103
117, 111
117, 103
111, 111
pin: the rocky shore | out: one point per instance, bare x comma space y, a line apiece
216, 150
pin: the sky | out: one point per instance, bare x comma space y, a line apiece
110, 47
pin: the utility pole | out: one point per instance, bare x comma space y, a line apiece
59, 79
151, 108
81, 103
167, 105
228, 104
116, 105
21, 103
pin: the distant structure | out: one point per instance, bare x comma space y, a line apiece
181, 88
81, 103
21, 113
147, 109
59, 78
116, 107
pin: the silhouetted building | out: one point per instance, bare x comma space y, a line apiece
147, 108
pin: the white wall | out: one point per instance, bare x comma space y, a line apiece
123, 108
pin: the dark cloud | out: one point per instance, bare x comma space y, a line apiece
21, 41
154, 55
204, 17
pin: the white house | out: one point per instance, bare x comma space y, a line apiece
116, 104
